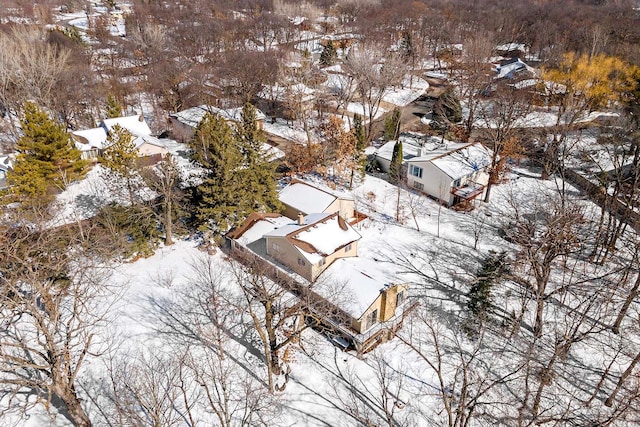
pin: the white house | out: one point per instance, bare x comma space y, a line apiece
91, 142
457, 176
451, 172
186, 121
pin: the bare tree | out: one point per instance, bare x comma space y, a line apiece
376, 70
51, 308
544, 235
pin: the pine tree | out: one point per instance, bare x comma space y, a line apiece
395, 169
121, 158
329, 54
47, 160
392, 125
493, 268
114, 109
258, 171
224, 199
358, 131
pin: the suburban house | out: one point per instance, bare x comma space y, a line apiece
315, 257
514, 68
309, 245
302, 198
185, 122
91, 142
451, 172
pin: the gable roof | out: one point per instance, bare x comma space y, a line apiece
194, 115
320, 235
256, 226
419, 147
305, 198
357, 282
461, 162
89, 139
135, 124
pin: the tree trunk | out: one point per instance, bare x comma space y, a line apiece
633, 294
623, 378
74, 411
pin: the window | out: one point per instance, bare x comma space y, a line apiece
372, 318
418, 185
321, 263
301, 262
275, 246
457, 182
347, 248
400, 298
415, 171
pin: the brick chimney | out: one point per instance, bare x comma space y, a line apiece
300, 218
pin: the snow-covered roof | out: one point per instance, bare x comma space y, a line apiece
357, 281
194, 115
256, 226
464, 162
514, 66
419, 147
327, 235
306, 198
320, 235
135, 124
89, 139
509, 47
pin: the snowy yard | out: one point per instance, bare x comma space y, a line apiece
327, 386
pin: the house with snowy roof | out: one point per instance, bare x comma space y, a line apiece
451, 172
185, 122
458, 176
91, 142
300, 197
362, 303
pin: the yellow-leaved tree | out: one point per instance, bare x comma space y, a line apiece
580, 85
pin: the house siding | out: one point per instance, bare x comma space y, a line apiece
340, 253
435, 183
288, 255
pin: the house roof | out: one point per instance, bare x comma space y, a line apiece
148, 139
419, 147
355, 283
462, 162
256, 226
89, 139
512, 66
319, 235
194, 115
134, 124
305, 198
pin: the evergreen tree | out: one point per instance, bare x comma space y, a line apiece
395, 169
358, 131
329, 54
223, 199
47, 159
121, 158
114, 109
361, 144
258, 172
447, 108
406, 46
493, 268
392, 125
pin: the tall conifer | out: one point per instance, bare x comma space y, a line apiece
47, 159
